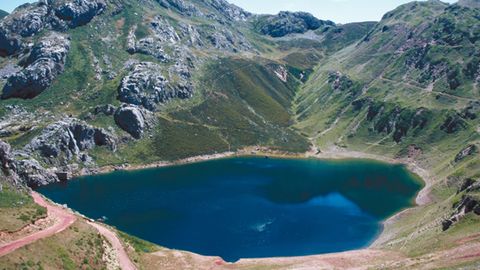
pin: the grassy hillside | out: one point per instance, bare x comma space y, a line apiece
17, 210
404, 91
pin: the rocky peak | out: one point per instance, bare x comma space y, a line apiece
230, 11
183, 7
469, 3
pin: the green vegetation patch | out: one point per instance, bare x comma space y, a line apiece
17, 210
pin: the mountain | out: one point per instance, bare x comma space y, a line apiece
3, 13
97, 83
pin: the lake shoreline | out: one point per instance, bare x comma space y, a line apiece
335, 153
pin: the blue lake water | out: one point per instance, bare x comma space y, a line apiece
247, 207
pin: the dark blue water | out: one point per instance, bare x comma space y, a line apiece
247, 207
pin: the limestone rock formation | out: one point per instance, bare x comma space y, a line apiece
231, 11
468, 203
146, 86
23, 170
33, 174
29, 19
45, 63
67, 139
26, 21
467, 151
181, 6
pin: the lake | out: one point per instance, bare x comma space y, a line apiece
247, 207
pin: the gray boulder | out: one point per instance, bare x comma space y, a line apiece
45, 63
67, 139
131, 119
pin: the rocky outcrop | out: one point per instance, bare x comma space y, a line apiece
191, 35
29, 19
25, 21
398, 121
468, 203
467, 151
107, 109
281, 72
181, 6
21, 169
453, 123
63, 141
289, 23
471, 111
33, 174
146, 86
131, 119
163, 31
339, 81
150, 46
231, 11
161, 34
78, 12
6, 159
225, 40
44, 64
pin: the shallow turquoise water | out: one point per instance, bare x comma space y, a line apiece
247, 207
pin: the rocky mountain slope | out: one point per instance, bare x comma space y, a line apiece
3, 13
95, 83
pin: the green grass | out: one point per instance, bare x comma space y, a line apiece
17, 209
140, 246
77, 247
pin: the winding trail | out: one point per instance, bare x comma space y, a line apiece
63, 219
122, 256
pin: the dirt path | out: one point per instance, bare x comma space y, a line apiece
63, 219
123, 259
